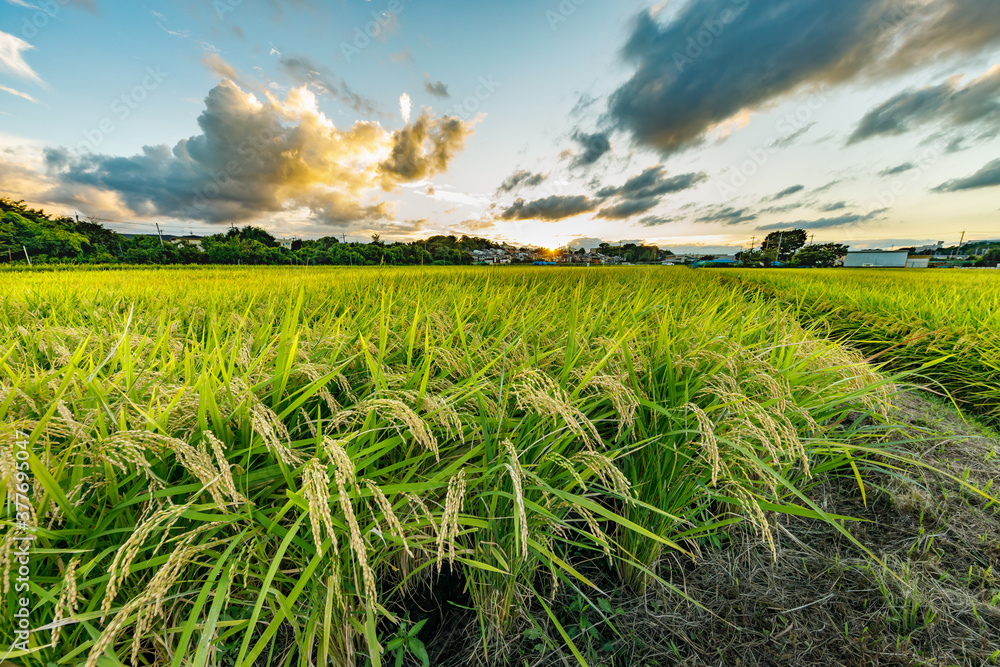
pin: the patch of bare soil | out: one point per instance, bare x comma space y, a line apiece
933, 600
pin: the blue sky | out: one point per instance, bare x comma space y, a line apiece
685, 124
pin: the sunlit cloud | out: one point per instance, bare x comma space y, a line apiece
405, 107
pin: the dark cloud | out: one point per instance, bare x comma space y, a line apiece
653, 182
638, 195
898, 169
718, 58
788, 192
654, 221
823, 223
643, 192
549, 209
521, 178
834, 206
786, 142
949, 102
784, 208
986, 177
304, 71
594, 147
628, 208
729, 215
436, 88
258, 157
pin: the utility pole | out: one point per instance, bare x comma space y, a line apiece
158, 233
781, 237
753, 244
26, 255
962, 242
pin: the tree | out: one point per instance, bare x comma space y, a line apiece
750, 258
821, 255
990, 259
782, 245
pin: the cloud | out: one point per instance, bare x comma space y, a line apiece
786, 142
653, 182
585, 242
628, 208
306, 72
12, 60
594, 147
436, 88
477, 225
986, 177
834, 206
422, 149
256, 157
654, 221
718, 59
220, 67
405, 107
18, 93
787, 192
404, 57
521, 178
729, 215
898, 169
549, 209
784, 208
850, 220
949, 102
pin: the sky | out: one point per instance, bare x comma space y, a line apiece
695, 125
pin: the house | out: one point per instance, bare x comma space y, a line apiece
287, 242
190, 240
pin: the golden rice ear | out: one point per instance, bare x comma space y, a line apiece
165, 519
390, 516
517, 477
539, 394
448, 532
706, 429
316, 490
69, 599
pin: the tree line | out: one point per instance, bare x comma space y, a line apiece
27, 233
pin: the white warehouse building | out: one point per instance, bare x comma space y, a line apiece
877, 259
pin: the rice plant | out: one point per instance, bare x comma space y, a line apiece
260, 466
942, 326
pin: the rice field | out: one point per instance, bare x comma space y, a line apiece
941, 326
266, 466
